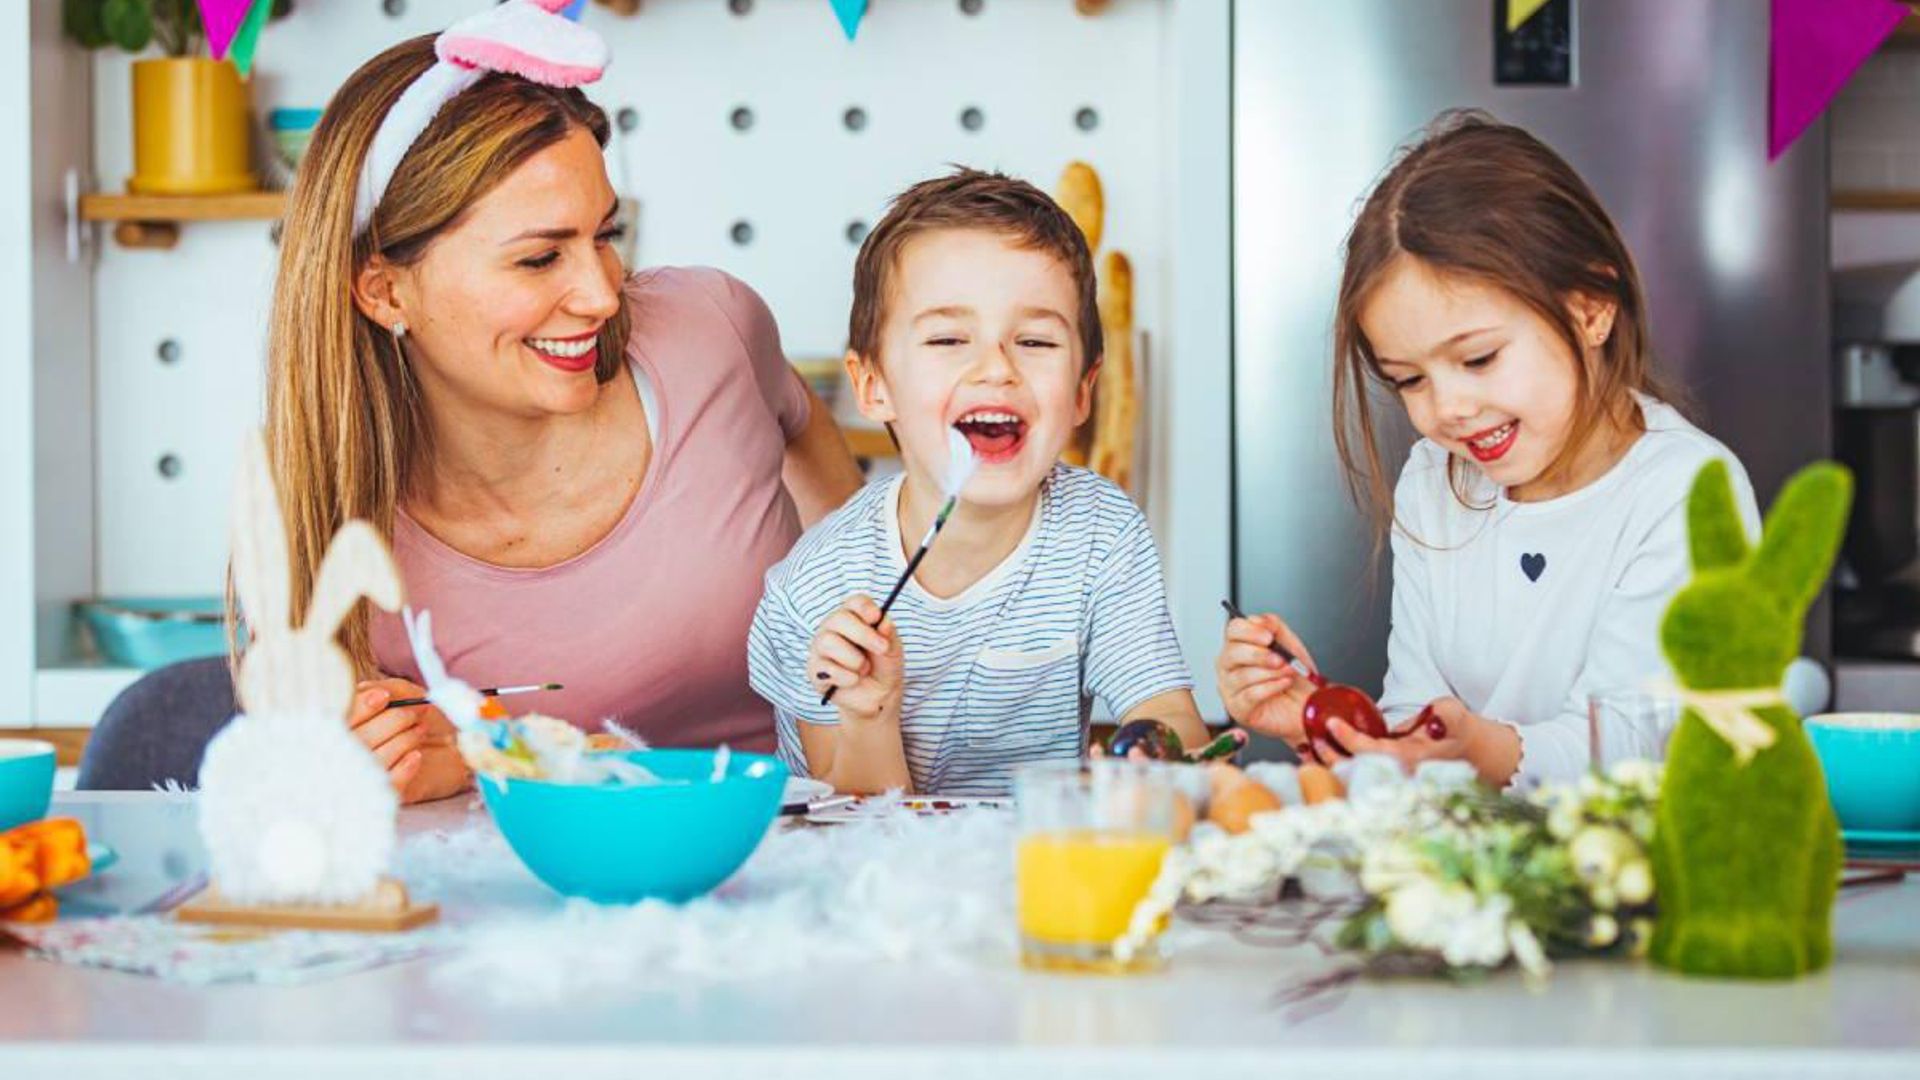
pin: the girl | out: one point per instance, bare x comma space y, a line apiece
1539, 526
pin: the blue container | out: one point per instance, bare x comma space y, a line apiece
26, 781
1872, 762
151, 633
617, 844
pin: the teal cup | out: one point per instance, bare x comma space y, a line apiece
26, 780
1872, 762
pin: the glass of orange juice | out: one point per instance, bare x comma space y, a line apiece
1092, 837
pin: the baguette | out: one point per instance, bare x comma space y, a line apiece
1117, 396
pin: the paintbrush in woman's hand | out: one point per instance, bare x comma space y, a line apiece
960, 466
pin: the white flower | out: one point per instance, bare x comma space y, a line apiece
1635, 882
1603, 931
1479, 938
1643, 776
1425, 914
1526, 949
1563, 815
1598, 851
1391, 866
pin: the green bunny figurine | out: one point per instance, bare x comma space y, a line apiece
1746, 850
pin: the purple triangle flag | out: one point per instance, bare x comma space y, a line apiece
850, 12
1815, 47
222, 19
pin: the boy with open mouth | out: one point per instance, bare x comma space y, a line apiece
973, 311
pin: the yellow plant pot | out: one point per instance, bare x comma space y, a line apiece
189, 128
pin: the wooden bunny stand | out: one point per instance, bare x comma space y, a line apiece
298, 819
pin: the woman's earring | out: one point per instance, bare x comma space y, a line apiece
399, 330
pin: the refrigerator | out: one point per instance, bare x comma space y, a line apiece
1660, 104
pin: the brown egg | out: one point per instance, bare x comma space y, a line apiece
1234, 805
1318, 784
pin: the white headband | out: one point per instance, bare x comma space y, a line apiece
528, 38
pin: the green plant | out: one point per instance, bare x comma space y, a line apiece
135, 24
1746, 850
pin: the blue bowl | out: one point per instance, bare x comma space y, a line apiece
152, 633
26, 781
1872, 761
617, 844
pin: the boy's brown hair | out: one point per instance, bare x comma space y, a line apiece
969, 199
1487, 201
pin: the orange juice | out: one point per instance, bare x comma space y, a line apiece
1077, 890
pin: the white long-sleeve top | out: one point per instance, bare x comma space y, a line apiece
1525, 610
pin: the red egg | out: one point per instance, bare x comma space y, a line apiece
1335, 701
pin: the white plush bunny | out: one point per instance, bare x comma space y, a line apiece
293, 809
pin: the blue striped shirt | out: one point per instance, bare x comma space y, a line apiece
1006, 671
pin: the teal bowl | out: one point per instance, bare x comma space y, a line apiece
1872, 761
150, 633
618, 844
26, 781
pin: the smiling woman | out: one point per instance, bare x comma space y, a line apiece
583, 472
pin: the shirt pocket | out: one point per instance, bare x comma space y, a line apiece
1025, 701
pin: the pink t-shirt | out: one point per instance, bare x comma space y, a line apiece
649, 626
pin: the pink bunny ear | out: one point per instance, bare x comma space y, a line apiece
528, 38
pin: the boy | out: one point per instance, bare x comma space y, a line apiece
973, 309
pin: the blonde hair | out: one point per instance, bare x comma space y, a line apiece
344, 417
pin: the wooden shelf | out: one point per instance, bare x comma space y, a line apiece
870, 442
1876, 200
153, 221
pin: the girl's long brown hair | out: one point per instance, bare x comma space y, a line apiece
344, 418
1487, 201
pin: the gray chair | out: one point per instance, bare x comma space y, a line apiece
156, 730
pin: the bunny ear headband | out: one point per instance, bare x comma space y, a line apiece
528, 38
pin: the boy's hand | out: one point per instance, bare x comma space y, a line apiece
860, 662
1262, 691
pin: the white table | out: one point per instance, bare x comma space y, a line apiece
1210, 1016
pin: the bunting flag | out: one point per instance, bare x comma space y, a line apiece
850, 12
248, 39
1815, 47
222, 18
1519, 11
573, 10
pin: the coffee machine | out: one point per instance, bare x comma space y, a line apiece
1877, 435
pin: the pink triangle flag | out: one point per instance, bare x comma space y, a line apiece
222, 19
1815, 47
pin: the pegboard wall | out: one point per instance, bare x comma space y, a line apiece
755, 137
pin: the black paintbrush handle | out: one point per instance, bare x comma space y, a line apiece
887, 605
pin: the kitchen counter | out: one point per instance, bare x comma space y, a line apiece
1211, 1015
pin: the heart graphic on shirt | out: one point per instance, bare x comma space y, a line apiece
1533, 566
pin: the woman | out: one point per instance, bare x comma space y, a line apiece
583, 474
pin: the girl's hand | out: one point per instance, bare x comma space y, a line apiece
415, 743
1452, 738
395, 737
861, 662
1262, 691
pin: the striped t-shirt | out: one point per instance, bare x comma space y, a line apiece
1006, 671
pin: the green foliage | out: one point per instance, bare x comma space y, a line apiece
133, 25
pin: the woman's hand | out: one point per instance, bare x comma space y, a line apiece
414, 743
1445, 730
1262, 691
860, 662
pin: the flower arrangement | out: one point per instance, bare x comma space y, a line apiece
1437, 875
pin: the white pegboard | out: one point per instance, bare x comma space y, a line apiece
797, 175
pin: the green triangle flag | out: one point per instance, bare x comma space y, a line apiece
248, 37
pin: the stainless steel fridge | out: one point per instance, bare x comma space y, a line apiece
1660, 104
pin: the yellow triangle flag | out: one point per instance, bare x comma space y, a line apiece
1519, 11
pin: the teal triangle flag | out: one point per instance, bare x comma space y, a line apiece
849, 12
248, 38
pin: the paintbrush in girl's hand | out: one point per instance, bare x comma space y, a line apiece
491, 691
960, 466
